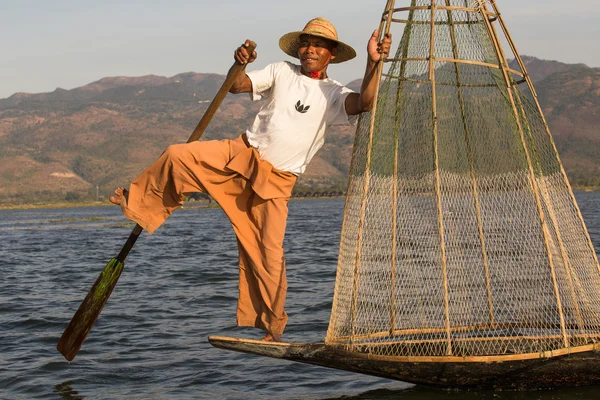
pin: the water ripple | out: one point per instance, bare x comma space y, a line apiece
178, 286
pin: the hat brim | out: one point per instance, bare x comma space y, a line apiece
290, 42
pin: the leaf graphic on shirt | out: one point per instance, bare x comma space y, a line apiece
301, 108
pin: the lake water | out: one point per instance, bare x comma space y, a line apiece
178, 287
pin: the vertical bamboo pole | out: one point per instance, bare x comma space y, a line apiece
546, 126
551, 213
507, 79
436, 167
389, 10
463, 112
398, 117
555, 150
545, 194
332, 319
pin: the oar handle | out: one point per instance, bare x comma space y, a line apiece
130, 242
210, 112
214, 105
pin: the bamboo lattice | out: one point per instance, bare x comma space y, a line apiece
461, 234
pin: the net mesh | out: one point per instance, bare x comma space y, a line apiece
461, 235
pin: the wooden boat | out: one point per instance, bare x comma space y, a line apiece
580, 366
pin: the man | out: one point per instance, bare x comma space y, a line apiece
252, 177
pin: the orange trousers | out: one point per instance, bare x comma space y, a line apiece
251, 192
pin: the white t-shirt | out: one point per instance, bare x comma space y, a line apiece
290, 128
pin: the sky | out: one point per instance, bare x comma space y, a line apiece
65, 44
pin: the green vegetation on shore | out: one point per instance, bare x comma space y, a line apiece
203, 203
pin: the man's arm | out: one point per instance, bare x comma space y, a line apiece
357, 103
242, 84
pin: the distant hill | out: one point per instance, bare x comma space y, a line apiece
541, 69
570, 98
65, 144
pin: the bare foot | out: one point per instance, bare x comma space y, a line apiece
272, 337
120, 194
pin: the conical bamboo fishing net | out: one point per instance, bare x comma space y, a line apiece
461, 235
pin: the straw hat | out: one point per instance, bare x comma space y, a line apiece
320, 27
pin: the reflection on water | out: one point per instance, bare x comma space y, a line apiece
66, 392
178, 286
422, 393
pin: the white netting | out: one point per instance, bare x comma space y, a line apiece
461, 235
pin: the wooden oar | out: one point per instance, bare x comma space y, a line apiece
89, 310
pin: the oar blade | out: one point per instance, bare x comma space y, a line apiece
89, 310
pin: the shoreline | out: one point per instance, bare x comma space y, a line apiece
187, 205
54, 205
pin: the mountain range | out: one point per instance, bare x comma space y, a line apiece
79, 144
